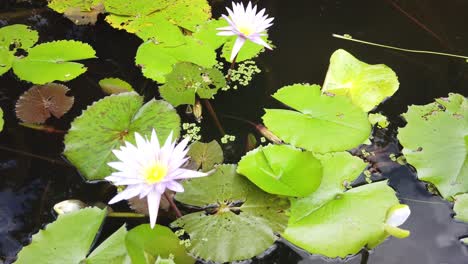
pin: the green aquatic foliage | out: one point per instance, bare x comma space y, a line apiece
146, 245
156, 60
186, 14
249, 50
188, 80
61, 6
461, 207
207, 33
108, 123
379, 120
12, 38
112, 250
205, 155
18, 36
367, 85
2, 122
158, 28
321, 123
435, 142
115, 86
67, 240
53, 61
239, 222
282, 169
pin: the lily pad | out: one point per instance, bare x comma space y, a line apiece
112, 250
205, 155
248, 51
107, 123
461, 207
80, 12
67, 240
367, 85
187, 79
239, 221
435, 142
6, 60
282, 169
156, 61
17, 36
156, 27
321, 123
115, 86
145, 245
62, 6
379, 120
207, 33
51, 61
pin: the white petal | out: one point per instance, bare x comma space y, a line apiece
140, 141
260, 41
116, 180
226, 33
129, 192
175, 186
185, 174
154, 140
117, 165
237, 46
398, 214
153, 199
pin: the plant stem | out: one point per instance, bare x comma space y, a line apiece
347, 37
364, 256
233, 64
173, 205
24, 153
212, 112
125, 214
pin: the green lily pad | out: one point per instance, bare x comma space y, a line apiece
61, 6
51, 61
205, 155
6, 60
107, 123
248, 51
321, 123
188, 79
156, 61
135, 7
115, 86
156, 27
346, 223
282, 169
379, 120
67, 240
112, 250
435, 142
367, 85
461, 207
20, 36
2, 122
206, 33
240, 221
145, 245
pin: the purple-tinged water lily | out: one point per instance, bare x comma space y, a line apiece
247, 24
147, 169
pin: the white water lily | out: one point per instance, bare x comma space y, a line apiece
398, 215
147, 169
247, 24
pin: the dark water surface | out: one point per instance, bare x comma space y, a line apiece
29, 187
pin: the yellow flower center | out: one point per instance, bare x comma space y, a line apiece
155, 173
247, 30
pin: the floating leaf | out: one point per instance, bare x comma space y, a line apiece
188, 79
157, 61
435, 143
67, 240
164, 261
145, 245
135, 7
112, 250
115, 86
378, 119
18, 36
61, 6
323, 124
282, 169
38, 103
243, 224
248, 51
461, 207
6, 60
156, 27
207, 33
107, 123
2, 122
51, 61
80, 12
366, 85
205, 155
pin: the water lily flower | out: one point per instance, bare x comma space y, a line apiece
396, 216
147, 169
247, 24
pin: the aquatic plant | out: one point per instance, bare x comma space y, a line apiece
148, 169
246, 24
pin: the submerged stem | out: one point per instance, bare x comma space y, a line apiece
364, 256
24, 153
173, 205
212, 112
347, 37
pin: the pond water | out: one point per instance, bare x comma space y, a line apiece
30, 186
